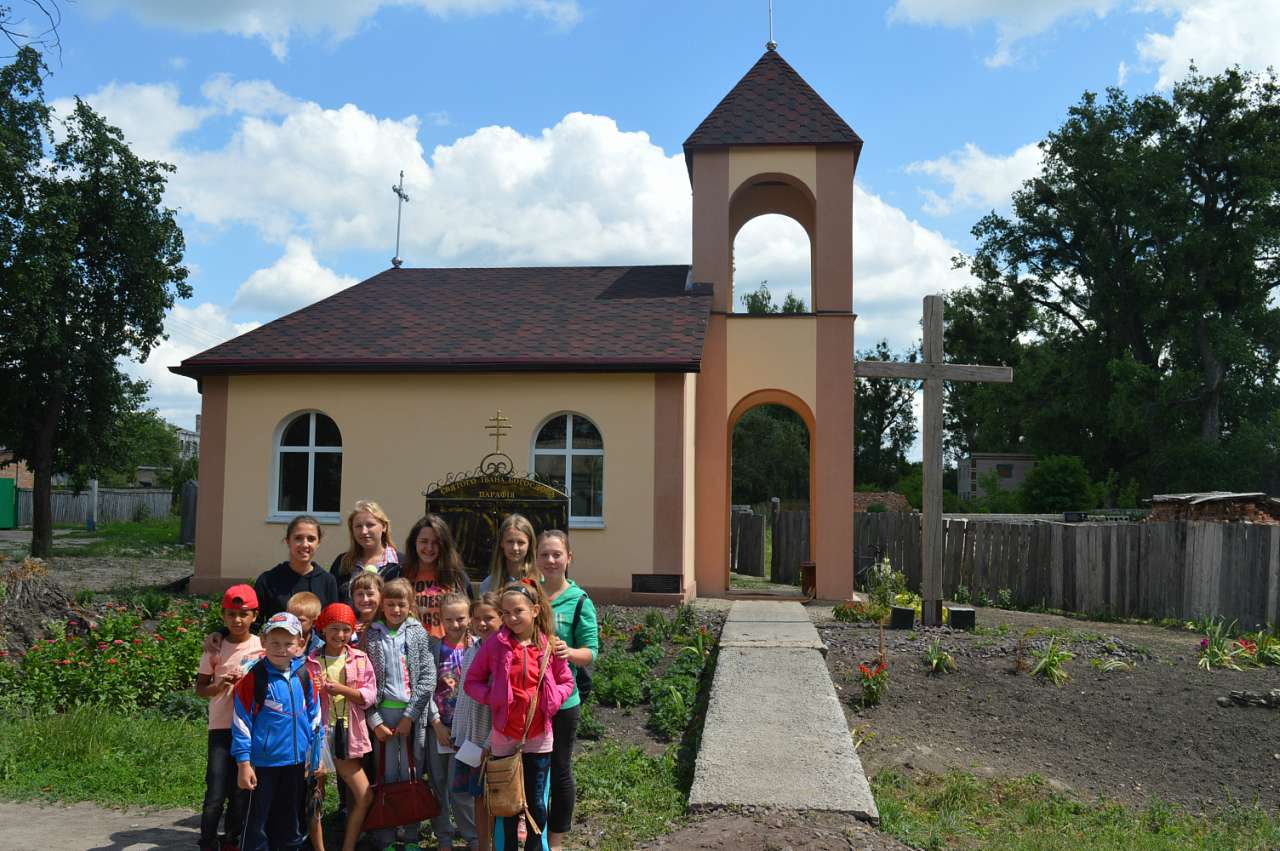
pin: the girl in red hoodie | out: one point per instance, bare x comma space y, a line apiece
504, 677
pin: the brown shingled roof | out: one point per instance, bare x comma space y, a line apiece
772, 105
588, 318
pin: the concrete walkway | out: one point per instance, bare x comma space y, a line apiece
43, 827
775, 735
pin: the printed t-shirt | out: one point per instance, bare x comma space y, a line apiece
335, 670
230, 657
449, 677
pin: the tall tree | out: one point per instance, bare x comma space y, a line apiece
885, 422
759, 302
1132, 286
770, 455
91, 260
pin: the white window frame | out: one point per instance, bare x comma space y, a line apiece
274, 515
568, 452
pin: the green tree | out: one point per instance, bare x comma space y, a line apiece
770, 455
1132, 290
1057, 483
90, 260
759, 302
885, 422
141, 439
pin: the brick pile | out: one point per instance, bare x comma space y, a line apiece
1216, 508
891, 501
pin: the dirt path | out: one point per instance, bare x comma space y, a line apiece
86, 827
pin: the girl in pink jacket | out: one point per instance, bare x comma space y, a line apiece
504, 676
347, 688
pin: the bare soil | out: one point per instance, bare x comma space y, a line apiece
777, 830
1156, 731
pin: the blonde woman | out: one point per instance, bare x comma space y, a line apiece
369, 534
512, 554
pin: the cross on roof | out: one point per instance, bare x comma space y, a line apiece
934, 370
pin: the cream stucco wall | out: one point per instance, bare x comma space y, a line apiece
772, 353
799, 162
401, 432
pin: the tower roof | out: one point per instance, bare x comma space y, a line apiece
772, 105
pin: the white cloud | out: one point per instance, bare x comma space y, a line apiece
1215, 34
191, 330
179, 63
248, 97
151, 115
1122, 73
977, 179
295, 280
276, 21
1014, 19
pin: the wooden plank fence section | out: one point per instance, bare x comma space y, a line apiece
1176, 569
790, 546
113, 505
749, 556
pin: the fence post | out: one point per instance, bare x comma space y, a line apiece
187, 528
91, 518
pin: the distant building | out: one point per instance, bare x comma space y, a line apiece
1011, 471
188, 441
11, 469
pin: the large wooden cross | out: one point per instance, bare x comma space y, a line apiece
934, 371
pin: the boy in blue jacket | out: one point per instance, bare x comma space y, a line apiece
276, 738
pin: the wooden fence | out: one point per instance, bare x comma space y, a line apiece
1180, 569
113, 505
790, 546
747, 543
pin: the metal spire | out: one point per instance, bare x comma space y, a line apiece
771, 44
402, 200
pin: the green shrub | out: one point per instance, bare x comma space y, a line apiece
117, 665
859, 612
619, 679
589, 728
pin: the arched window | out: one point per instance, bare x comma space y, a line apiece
568, 454
308, 467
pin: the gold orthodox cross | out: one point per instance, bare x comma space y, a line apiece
498, 427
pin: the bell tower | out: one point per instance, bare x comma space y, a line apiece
773, 145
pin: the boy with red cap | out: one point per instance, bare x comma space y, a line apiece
215, 678
347, 689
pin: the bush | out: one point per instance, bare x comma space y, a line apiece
117, 665
1057, 483
619, 679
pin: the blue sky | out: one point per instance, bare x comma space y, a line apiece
549, 131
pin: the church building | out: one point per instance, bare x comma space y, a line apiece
621, 385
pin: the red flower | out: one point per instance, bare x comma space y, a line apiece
111, 661
137, 641
102, 645
182, 629
65, 662
204, 605
117, 642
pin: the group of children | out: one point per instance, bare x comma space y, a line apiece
364, 691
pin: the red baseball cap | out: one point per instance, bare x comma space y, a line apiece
336, 613
240, 597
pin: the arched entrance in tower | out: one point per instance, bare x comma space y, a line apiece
770, 493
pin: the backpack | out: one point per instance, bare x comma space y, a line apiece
581, 674
260, 675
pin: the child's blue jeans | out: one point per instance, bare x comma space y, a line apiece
275, 810
537, 771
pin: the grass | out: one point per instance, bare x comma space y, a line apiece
632, 795
108, 758
963, 812
156, 537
